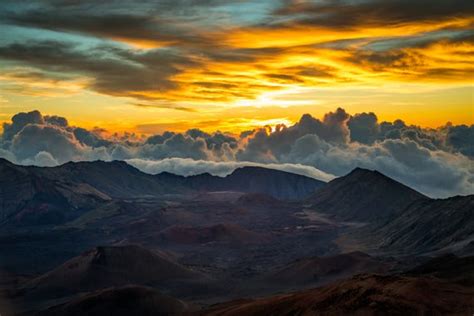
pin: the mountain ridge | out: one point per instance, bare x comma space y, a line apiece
363, 195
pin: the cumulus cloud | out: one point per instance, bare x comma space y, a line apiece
461, 138
36, 138
364, 128
437, 162
19, 121
45, 159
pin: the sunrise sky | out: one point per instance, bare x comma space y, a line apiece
151, 66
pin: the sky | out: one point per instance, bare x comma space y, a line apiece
151, 66
189, 86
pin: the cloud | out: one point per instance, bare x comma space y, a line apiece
34, 138
265, 146
346, 14
364, 128
461, 139
44, 159
201, 51
188, 167
19, 121
437, 162
89, 138
148, 72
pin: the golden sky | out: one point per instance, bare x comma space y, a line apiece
235, 65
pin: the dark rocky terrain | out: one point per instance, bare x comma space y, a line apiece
94, 237
317, 269
363, 195
427, 226
122, 301
362, 295
278, 184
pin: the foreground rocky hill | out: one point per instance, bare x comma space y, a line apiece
362, 295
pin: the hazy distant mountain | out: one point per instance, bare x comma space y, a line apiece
115, 178
35, 195
276, 183
363, 195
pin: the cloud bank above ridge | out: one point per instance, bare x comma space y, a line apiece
437, 162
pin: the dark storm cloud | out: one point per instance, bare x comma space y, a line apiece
148, 71
347, 14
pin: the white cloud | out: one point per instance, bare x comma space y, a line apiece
188, 167
437, 162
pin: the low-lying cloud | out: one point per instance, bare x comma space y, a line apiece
437, 162
189, 167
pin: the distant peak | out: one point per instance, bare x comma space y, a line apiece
253, 169
363, 171
102, 163
247, 168
168, 174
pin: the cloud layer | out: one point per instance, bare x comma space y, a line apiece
437, 162
226, 50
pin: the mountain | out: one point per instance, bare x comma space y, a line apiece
361, 295
363, 195
117, 179
28, 197
278, 184
426, 225
36, 195
104, 267
122, 301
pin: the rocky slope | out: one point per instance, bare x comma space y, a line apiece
323, 269
278, 184
424, 226
363, 195
362, 295
34, 195
28, 197
122, 301
103, 267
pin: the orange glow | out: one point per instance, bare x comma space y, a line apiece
273, 75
